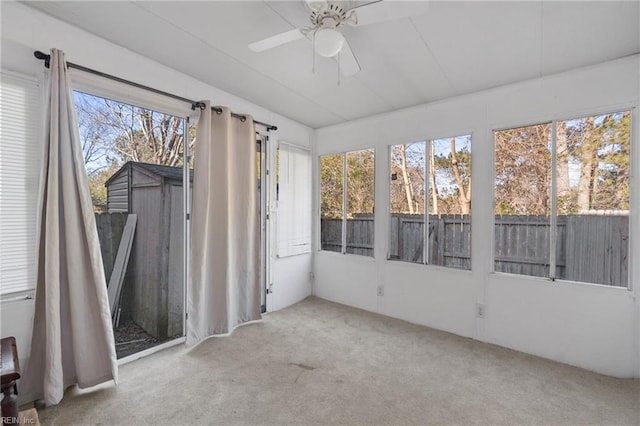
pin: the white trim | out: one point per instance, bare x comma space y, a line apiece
97, 86
271, 210
186, 222
553, 219
569, 115
634, 225
18, 296
100, 86
426, 175
345, 201
294, 145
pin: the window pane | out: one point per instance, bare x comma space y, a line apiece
134, 162
593, 198
522, 200
331, 201
360, 196
450, 202
407, 197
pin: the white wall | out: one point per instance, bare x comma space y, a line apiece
590, 326
25, 30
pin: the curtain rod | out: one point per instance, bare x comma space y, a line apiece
194, 104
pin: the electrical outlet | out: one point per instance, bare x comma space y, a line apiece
380, 290
480, 310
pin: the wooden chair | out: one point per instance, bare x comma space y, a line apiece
10, 367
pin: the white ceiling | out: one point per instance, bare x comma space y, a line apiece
452, 49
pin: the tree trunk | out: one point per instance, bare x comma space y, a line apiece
563, 188
405, 178
464, 197
588, 163
432, 178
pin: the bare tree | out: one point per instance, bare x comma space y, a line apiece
94, 135
114, 132
464, 195
147, 136
588, 164
523, 170
405, 178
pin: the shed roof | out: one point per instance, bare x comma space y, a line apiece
166, 172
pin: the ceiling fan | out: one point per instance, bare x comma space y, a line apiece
327, 18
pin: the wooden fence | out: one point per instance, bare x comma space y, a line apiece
359, 235
589, 248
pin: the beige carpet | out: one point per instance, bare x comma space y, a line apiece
322, 363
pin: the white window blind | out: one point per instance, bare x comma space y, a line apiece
20, 152
293, 226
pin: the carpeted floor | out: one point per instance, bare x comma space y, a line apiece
322, 363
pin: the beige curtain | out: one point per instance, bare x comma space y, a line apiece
224, 289
72, 340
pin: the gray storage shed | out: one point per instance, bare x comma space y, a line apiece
153, 292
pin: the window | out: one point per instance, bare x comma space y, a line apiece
562, 199
431, 184
20, 158
347, 201
522, 200
294, 200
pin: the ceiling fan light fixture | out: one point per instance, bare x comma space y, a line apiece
328, 42
316, 4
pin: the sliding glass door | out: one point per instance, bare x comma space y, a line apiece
137, 176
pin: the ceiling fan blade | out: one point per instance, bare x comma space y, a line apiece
381, 11
348, 63
276, 40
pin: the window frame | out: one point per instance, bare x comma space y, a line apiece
98, 86
343, 249
427, 203
630, 107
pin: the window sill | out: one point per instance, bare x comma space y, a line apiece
18, 296
443, 268
357, 257
543, 281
